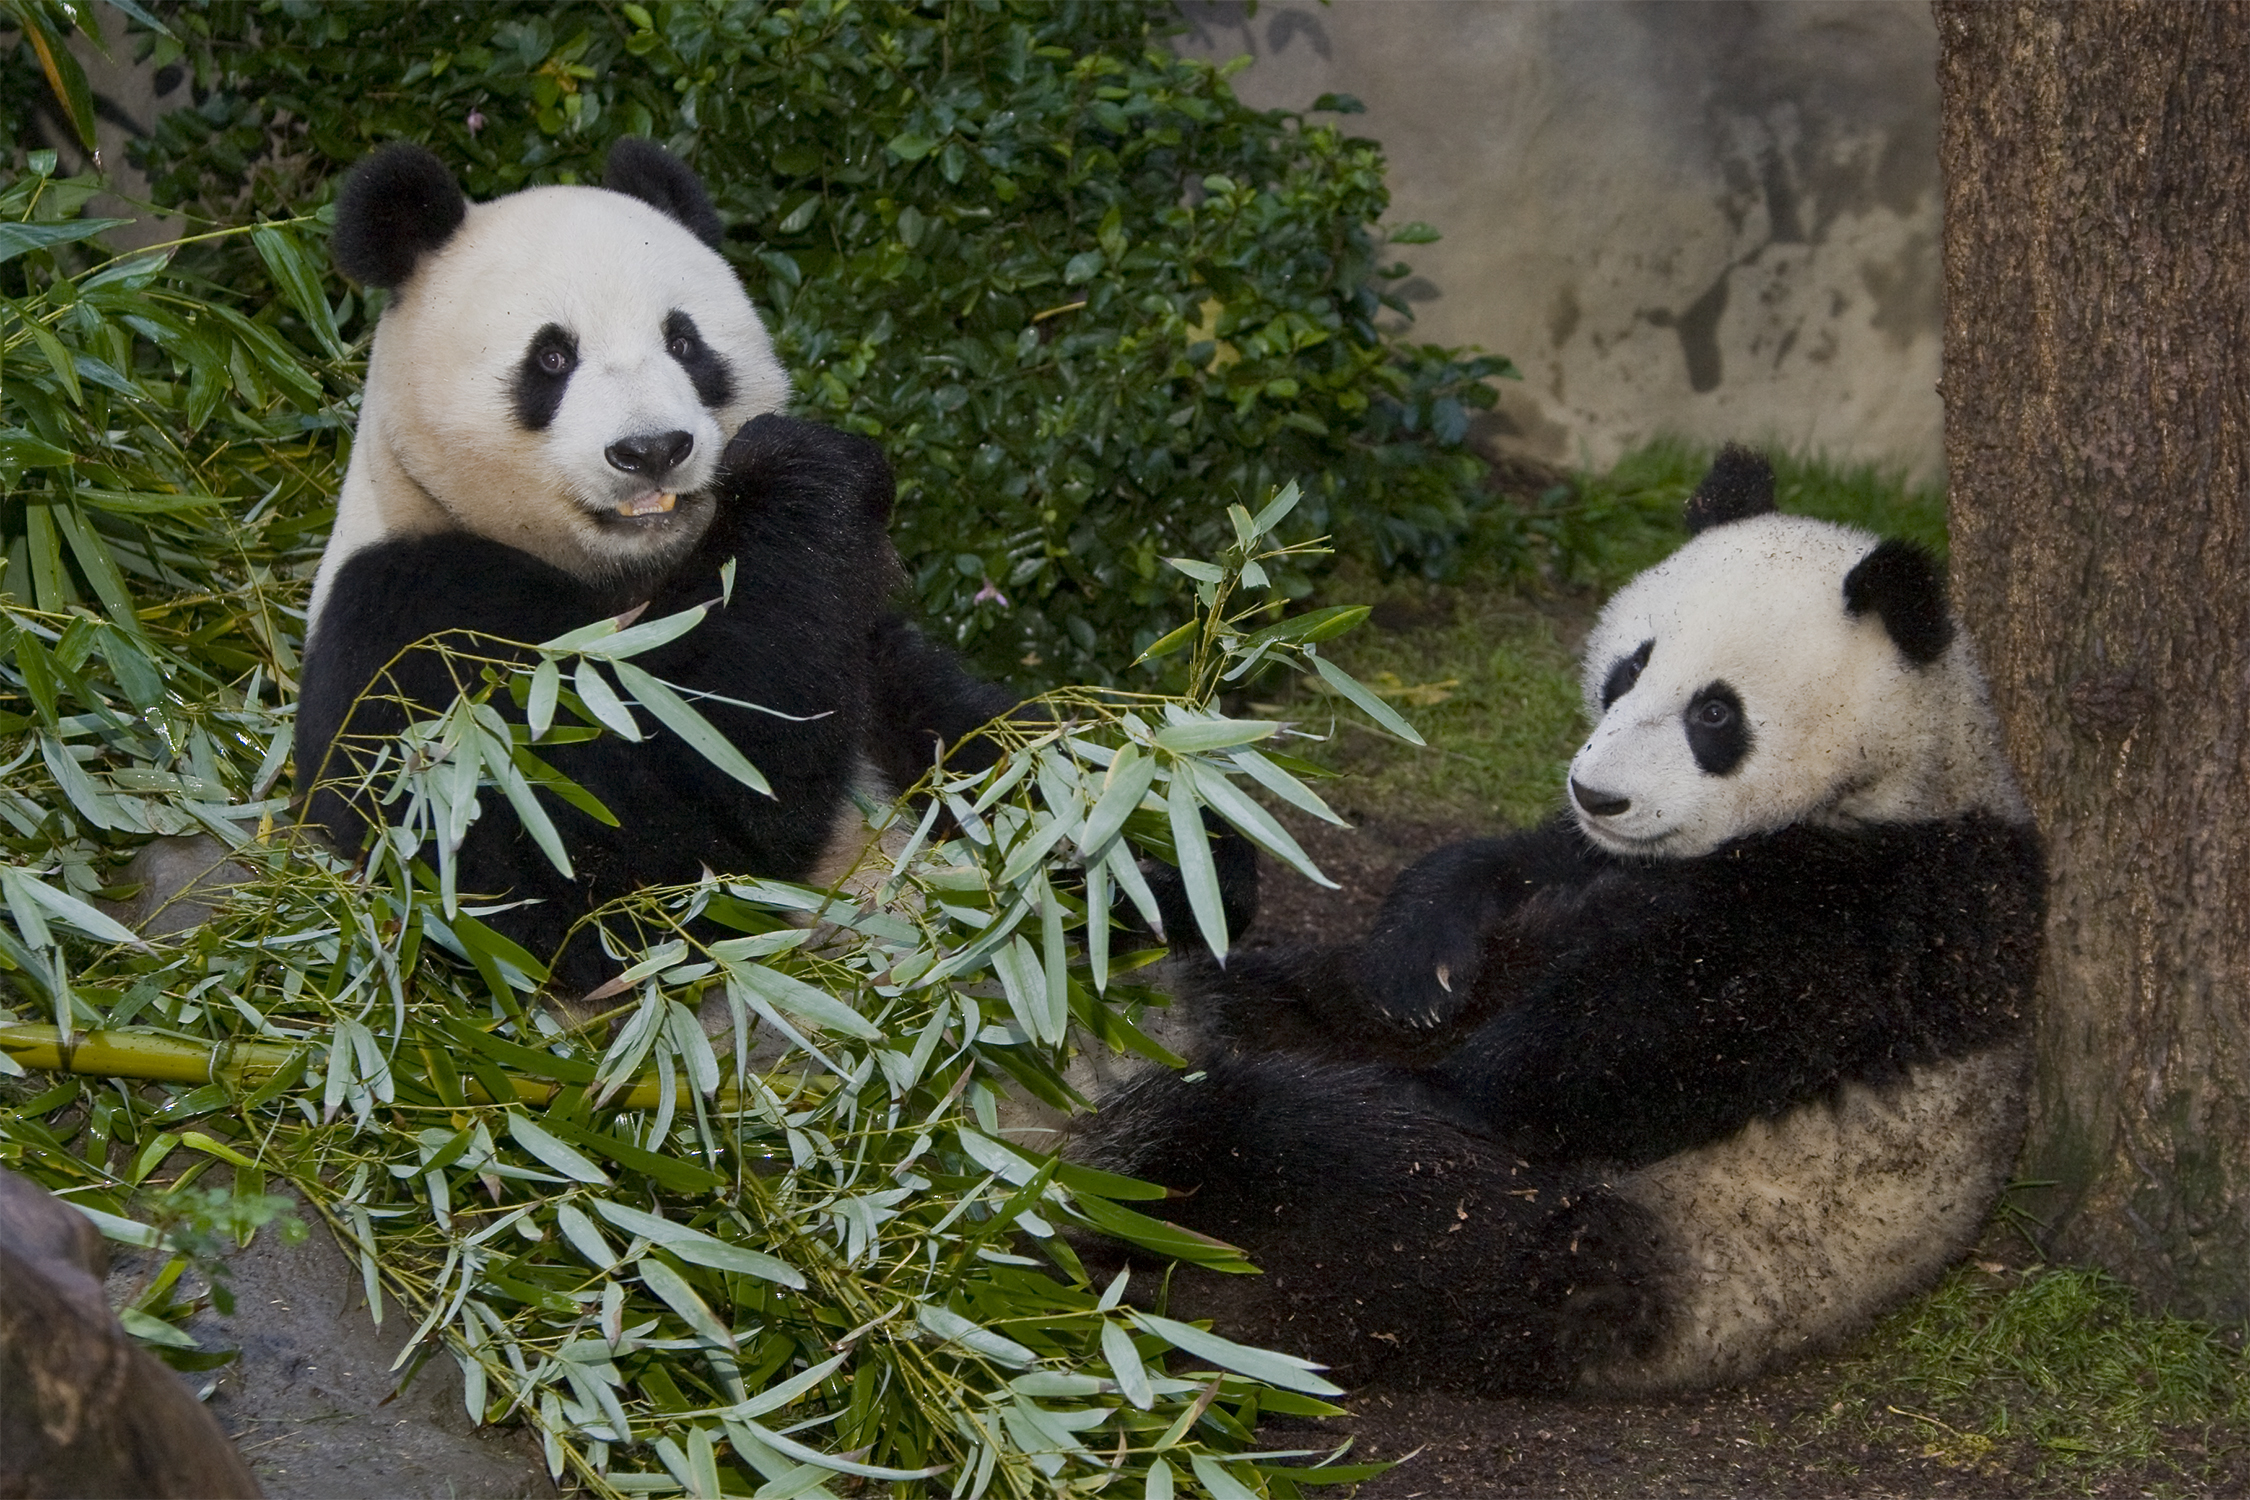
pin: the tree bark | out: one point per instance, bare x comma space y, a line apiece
2097, 414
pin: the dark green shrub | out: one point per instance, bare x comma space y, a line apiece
1082, 294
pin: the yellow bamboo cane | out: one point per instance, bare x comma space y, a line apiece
137, 1054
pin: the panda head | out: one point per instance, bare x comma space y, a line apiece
1778, 670
558, 369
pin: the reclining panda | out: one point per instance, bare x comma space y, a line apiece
570, 414
1711, 1071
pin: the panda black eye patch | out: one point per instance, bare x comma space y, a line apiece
544, 375
1625, 673
714, 382
1718, 732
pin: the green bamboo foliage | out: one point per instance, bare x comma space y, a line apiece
764, 1223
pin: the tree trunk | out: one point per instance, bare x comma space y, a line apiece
2097, 436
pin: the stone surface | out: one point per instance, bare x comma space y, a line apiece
1717, 219
313, 1402
84, 1410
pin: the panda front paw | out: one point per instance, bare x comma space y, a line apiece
775, 459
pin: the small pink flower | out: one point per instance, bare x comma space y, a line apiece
988, 592
476, 121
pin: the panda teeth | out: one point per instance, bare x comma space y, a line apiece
655, 502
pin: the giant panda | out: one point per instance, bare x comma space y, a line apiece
1708, 1071
572, 412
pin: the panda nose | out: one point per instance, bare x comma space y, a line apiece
1597, 804
649, 454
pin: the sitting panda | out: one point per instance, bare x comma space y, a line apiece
1708, 1072
571, 414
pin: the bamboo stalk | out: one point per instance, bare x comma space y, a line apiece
164, 1059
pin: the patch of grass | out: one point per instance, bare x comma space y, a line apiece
1601, 529
1880, 498
2051, 1369
1481, 673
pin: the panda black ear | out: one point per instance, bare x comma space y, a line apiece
1901, 583
1739, 486
644, 170
396, 206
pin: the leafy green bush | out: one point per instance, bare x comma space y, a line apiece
1076, 288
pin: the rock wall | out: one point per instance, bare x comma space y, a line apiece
1716, 219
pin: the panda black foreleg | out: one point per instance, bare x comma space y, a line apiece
1269, 1000
924, 700
1433, 960
1459, 937
1397, 1242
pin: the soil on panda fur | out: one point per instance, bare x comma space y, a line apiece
1784, 1436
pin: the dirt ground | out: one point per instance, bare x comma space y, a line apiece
1767, 1439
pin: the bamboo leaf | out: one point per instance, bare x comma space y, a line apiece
1285, 786
1227, 799
1277, 508
774, 1397
601, 701
1374, 707
802, 1000
1098, 923
58, 360
1310, 627
98, 809
18, 239
1217, 1482
1198, 872
546, 688
829, 1461
605, 641
676, 715
1169, 642
1196, 736
955, 1329
1126, 870
672, 1289
500, 760
694, 1245
72, 912
584, 1237
292, 271
554, 1153
1126, 1365
1285, 1370
1024, 982
1130, 775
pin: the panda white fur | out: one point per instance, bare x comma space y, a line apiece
570, 413
1710, 1071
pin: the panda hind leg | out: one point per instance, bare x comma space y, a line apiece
1399, 1245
